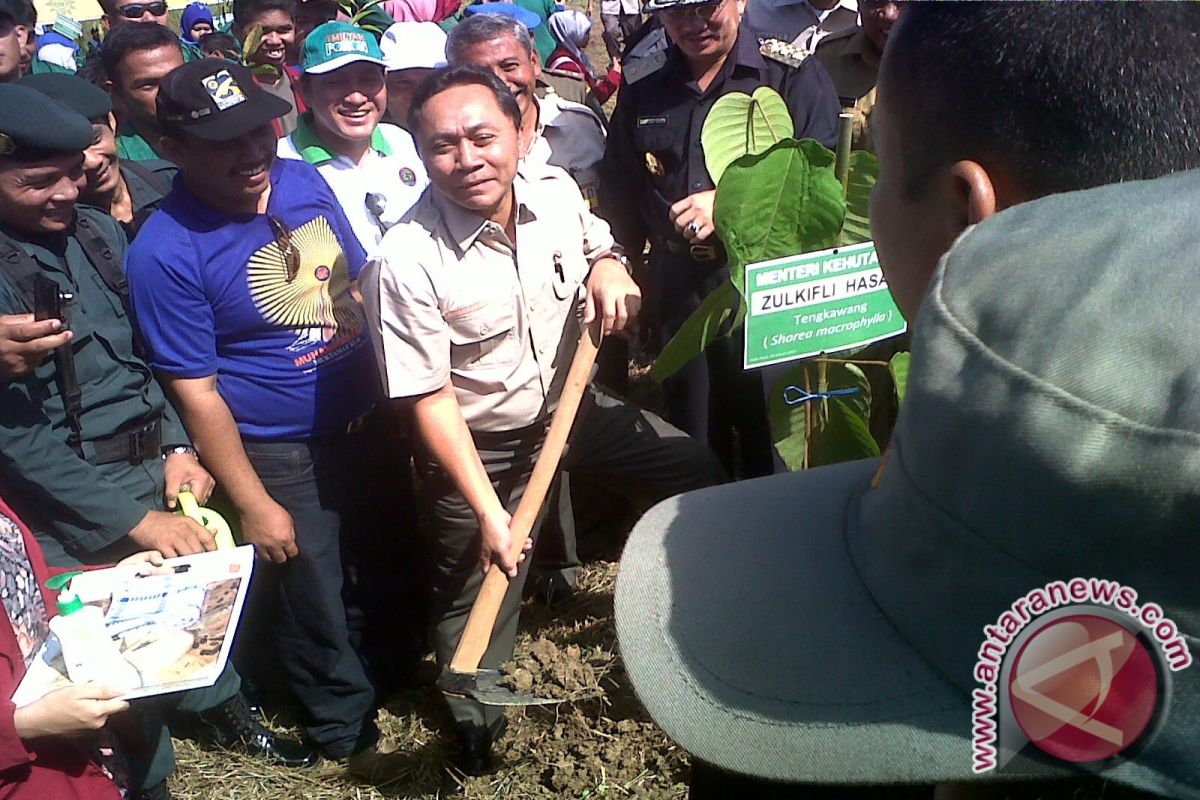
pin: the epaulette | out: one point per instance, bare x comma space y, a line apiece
562, 73
633, 71
783, 52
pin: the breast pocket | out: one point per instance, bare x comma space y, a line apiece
570, 270
483, 335
658, 148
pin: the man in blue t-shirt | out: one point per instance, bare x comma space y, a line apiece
242, 287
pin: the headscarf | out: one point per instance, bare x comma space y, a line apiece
569, 29
412, 10
195, 12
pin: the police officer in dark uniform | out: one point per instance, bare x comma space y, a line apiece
654, 186
89, 448
130, 191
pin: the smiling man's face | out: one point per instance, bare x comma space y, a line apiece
347, 103
40, 197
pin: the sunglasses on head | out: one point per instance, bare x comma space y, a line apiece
136, 10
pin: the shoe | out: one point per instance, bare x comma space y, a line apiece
379, 764
231, 725
156, 792
474, 756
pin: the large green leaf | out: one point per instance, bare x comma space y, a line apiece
778, 203
739, 123
699, 330
864, 172
899, 368
827, 430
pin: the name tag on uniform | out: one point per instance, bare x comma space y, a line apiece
646, 122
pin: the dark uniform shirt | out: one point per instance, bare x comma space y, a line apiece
853, 63
68, 501
656, 129
148, 183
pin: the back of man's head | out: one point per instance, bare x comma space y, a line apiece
125, 39
1053, 97
480, 28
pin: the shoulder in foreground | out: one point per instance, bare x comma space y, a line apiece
414, 232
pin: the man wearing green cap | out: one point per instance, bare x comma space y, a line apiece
91, 447
372, 167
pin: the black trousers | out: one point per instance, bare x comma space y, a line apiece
630, 450
340, 620
712, 398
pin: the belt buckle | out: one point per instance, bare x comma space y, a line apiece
702, 252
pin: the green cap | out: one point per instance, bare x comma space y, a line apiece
68, 602
35, 127
334, 45
72, 91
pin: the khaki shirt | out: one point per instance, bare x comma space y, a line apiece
569, 136
449, 298
853, 63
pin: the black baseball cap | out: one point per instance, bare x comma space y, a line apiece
216, 100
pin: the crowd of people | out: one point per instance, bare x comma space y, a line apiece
331, 283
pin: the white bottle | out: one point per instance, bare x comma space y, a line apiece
89, 651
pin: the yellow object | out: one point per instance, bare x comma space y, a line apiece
208, 518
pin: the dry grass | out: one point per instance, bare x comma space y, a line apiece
599, 745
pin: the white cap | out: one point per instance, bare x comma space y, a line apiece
412, 45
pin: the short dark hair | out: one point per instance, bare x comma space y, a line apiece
134, 38
480, 28
1057, 96
30, 15
445, 78
244, 11
218, 42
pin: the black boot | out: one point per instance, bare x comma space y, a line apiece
231, 725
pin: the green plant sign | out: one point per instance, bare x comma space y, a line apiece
823, 302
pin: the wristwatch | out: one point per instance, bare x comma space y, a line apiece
180, 450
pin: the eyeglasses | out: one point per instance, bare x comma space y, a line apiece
136, 10
701, 11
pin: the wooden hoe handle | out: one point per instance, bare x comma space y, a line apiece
478, 632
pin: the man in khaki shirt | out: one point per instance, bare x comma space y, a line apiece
852, 59
474, 305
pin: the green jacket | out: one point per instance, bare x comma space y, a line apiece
132, 146
72, 505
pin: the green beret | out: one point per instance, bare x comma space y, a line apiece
88, 99
34, 127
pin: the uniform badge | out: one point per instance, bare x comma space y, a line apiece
783, 52
655, 165
408, 177
6, 144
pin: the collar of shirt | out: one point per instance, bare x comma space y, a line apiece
315, 152
465, 227
847, 5
133, 146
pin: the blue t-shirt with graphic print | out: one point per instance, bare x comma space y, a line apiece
263, 302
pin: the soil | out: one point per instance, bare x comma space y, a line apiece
599, 743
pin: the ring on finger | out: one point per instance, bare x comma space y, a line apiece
693, 228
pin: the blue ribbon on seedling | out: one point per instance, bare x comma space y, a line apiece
795, 395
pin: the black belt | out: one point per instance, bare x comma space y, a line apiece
134, 446
704, 253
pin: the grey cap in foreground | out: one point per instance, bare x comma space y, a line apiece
824, 626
